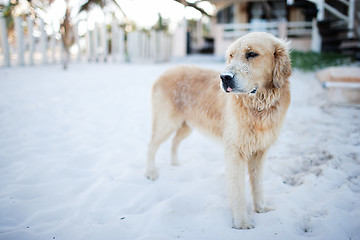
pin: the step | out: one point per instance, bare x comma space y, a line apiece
342, 84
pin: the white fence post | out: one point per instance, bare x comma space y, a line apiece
104, 43
114, 40
351, 17
4, 42
315, 37
88, 45
76, 36
161, 46
43, 41
133, 46
95, 44
19, 40
168, 47
53, 45
282, 29
180, 41
121, 46
142, 46
155, 47
152, 46
129, 46
30, 25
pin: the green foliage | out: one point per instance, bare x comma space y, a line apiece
161, 25
311, 61
7, 14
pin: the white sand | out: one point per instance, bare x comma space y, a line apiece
73, 151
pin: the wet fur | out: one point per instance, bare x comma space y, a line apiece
187, 97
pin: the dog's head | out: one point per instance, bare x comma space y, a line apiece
256, 61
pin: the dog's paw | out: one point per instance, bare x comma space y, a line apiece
243, 224
263, 209
152, 175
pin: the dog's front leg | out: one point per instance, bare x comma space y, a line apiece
235, 174
256, 168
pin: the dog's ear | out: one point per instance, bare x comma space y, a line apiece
282, 67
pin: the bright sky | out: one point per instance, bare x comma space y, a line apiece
143, 12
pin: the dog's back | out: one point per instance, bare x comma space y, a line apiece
192, 95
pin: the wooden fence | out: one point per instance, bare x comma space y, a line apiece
37, 43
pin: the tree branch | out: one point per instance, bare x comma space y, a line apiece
185, 3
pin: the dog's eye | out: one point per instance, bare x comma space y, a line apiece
251, 54
231, 56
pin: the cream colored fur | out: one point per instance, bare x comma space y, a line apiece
247, 123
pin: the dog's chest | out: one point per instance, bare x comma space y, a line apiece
252, 131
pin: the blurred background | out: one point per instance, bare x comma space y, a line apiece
321, 32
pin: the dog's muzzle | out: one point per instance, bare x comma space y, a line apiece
227, 81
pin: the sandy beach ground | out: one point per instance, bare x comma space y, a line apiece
73, 151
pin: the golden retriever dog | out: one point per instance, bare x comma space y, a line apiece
246, 112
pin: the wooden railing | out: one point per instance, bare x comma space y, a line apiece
301, 34
235, 30
281, 29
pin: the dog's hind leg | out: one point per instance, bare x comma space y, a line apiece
181, 134
163, 127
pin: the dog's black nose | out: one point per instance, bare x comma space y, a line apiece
226, 77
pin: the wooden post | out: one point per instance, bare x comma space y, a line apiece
43, 41
19, 40
4, 42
